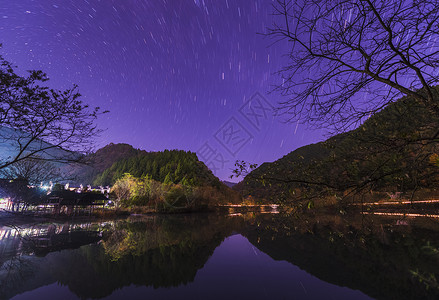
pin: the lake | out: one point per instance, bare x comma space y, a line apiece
215, 256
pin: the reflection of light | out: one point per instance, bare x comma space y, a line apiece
235, 214
397, 202
400, 214
274, 206
263, 209
4, 203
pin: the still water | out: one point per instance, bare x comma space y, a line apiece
209, 256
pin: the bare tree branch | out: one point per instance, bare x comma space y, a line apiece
39, 123
348, 59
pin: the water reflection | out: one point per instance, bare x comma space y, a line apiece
386, 258
255, 256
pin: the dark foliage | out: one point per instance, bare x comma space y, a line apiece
166, 166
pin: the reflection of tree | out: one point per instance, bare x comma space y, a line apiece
371, 255
136, 238
25, 260
15, 266
159, 252
13, 273
167, 251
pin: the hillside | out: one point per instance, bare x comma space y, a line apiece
105, 157
45, 162
111, 162
229, 183
99, 161
12, 139
169, 165
169, 180
394, 150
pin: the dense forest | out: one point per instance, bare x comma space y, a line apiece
166, 166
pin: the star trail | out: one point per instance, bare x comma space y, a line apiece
174, 74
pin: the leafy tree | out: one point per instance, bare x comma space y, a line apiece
168, 179
124, 188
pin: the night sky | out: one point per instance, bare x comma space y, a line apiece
174, 74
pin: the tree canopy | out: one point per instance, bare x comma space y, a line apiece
165, 166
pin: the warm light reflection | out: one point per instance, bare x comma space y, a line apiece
397, 202
274, 206
48, 229
263, 209
4, 203
400, 214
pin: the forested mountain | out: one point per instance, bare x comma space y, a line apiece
393, 151
165, 180
165, 166
97, 162
168, 180
105, 157
85, 171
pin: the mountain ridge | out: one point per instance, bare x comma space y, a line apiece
391, 151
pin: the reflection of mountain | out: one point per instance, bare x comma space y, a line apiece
378, 263
382, 260
158, 252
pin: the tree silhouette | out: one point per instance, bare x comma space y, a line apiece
34, 171
41, 123
349, 59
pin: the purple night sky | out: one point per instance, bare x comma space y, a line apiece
174, 74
